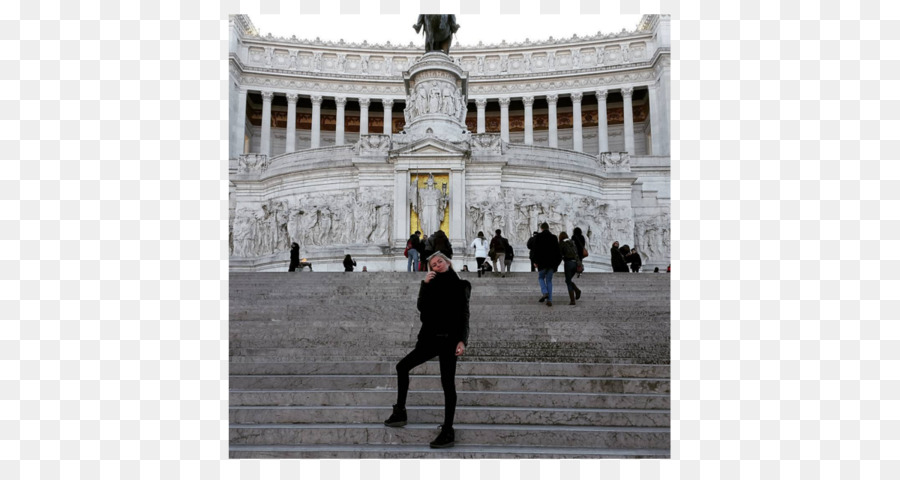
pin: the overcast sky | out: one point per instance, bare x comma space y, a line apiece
489, 26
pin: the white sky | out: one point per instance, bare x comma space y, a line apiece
489, 26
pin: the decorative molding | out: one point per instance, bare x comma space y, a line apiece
504, 102
577, 96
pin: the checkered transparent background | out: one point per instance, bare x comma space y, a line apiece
113, 264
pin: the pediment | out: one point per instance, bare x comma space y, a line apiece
432, 146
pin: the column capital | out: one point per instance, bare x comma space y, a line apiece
316, 100
341, 102
480, 102
552, 99
387, 102
267, 96
627, 91
528, 101
364, 102
504, 102
577, 96
292, 98
602, 94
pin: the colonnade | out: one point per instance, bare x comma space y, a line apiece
658, 125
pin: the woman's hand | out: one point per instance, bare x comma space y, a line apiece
460, 348
430, 275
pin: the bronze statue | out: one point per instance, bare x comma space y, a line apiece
439, 30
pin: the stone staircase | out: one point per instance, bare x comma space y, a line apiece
312, 359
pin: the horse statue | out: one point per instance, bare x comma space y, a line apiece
439, 30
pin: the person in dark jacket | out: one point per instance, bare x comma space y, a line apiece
547, 260
349, 263
442, 244
579, 241
617, 260
428, 249
635, 260
412, 253
570, 262
444, 305
530, 245
295, 257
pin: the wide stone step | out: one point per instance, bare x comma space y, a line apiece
464, 415
622, 356
424, 451
463, 382
381, 398
377, 311
463, 368
466, 434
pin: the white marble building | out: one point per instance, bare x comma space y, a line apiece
574, 132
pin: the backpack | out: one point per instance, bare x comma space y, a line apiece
408, 246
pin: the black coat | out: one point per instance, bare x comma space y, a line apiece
444, 306
580, 242
295, 257
349, 264
617, 260
546, 250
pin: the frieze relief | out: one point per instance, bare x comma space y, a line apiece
653, 237
350, 217
374, 145
252, 163
615, 162
435, 97
518, 213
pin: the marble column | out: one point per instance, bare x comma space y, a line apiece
364, 116
388, 110
577, 142
551, 120
290, 139
236, 147
341, 102
529, 120
504, 119
656, 133
480, 103
629, 119
266, 139
602, 127
316, 121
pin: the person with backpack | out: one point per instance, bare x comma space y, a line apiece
412, 252
444, 305
510, 254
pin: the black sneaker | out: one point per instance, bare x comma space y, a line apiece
542, 299
445, 439
398, 418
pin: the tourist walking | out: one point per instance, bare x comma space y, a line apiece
481, 250
530, 245
428, 249
547, 259
567, 250
616, 259
580, 246
412, 253
498, 246
349, 263
444, 305
634, 258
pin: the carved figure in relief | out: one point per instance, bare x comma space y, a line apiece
244, 232
576, 58
434, 105
342, 60
481, 65
317, 62
551, 61
504, 64
421, 100
268, 57
383, 225
293, 64
449, 102
364, 64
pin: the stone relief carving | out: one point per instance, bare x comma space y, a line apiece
615, 161
518, 213
252, 163
486, 143
350, 217
435, 97
653, 237
374, 144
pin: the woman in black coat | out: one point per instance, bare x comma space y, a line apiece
444, 306
617, 259
579, 241
295, 257
349, 263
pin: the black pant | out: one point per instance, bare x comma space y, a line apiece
445, 350
479, 261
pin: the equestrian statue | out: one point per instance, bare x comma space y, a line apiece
439, 30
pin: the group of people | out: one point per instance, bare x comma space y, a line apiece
498, 250
620, 257
417, 248
547, 251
